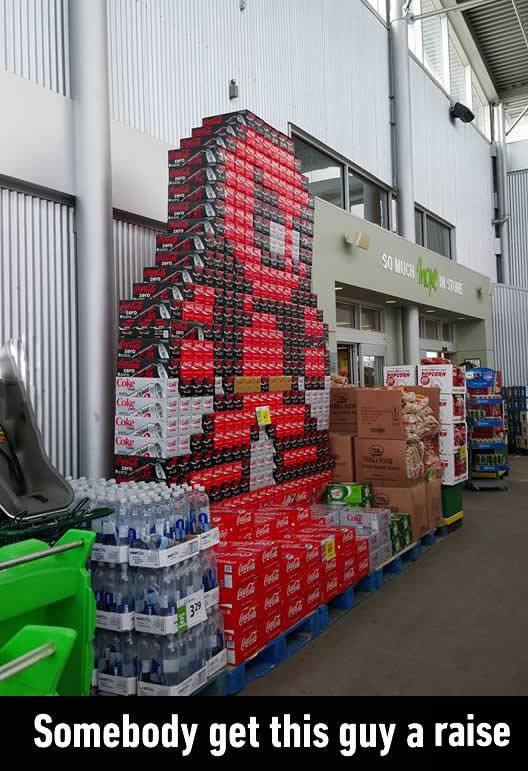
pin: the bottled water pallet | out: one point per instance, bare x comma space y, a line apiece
234, 679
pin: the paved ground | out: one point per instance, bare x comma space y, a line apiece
454, 623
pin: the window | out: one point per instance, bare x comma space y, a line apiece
394, 214
367, 200
324, 173
432, 329
346, 315
432, 42
370, 319
457, 73
479, 107
447, 332
432, 234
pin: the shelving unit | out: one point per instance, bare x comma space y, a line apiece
488, 445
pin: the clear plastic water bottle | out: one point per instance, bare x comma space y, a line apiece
203, 510
129, 667
171, 663
115, 664
111, 588
197, 573
215, 632
167, 592
145, 655
124, 599
209, 570
99, 584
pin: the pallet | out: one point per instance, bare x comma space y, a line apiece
235, 678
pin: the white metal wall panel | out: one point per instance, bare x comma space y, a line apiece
134, 249
510, 333
34, 42
320, 64
453, 173
518, 192
38, 309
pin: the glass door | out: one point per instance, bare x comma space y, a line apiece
372, 370
348, 362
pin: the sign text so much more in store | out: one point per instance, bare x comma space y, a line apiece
429, 278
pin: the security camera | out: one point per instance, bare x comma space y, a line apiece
459, 110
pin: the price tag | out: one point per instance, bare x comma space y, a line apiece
330, 551
191, 611
263, 416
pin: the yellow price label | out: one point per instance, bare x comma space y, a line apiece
263, 416
330, 551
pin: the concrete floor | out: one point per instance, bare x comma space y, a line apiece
454, 623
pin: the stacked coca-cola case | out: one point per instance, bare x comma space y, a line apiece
276, 566
223, 363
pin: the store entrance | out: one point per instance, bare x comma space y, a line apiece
361, 364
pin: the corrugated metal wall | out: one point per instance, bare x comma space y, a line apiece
510, 333
321, 64
453, 173
34, 42
38, 308
518, 192
134, 248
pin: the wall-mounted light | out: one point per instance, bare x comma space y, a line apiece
460, 111
234, 90
430, 311
360, 239
391, 302
339, 288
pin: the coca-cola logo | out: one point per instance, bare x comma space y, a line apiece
283, 522
247, 567
314, 595
312, 576
125, 382
124, 441
272, 600
272, 577
125, 422
295, 608
249, 641
293, 564
272, 624
271, 554
363, 565
262, 531
246, 591
124, 402
331, 584
248, 615
244, 519
293, 587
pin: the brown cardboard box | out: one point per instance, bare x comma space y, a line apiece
342, 447
367, 412
433, 492
381, 460
410, 500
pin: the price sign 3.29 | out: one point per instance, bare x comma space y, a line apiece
191, 611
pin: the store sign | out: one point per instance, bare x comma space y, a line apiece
428, 278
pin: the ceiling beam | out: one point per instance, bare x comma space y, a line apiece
465, 6
521, 25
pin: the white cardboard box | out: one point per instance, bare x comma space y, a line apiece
448, 470
446, 438
400, 376
147, 387
447, 410
439, 376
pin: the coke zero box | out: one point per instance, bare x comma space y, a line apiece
241, 644
203, 177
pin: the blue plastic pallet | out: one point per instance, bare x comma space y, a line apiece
234, 679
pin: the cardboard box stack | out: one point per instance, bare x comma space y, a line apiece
451, 381
395, 447
223, 364
276, 565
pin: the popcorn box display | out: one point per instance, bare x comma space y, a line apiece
400, 376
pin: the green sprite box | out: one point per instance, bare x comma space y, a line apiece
396, 544
351, 493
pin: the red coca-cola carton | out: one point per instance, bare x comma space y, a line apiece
241, 593
347, 570
313, 576
235, 567
271, 600
263, 530
323, 542
293, 586
363, 557
239, 615
294, 610
280, 522
314, 597
292, 547
241, 644
345, 537
266, 552
271, 626
236, 521
331, 586
270, 576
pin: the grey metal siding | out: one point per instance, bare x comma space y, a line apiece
320, 64
510, 333
38, 312
518, 204
34, 42
134, 249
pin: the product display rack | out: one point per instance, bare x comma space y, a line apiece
488, 446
